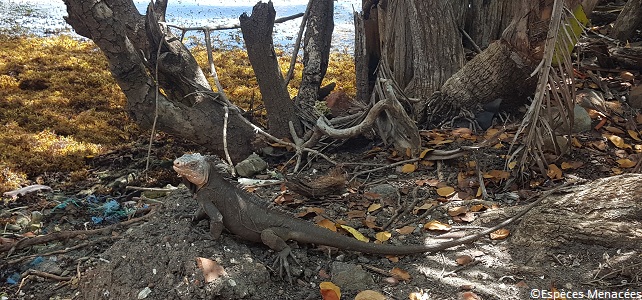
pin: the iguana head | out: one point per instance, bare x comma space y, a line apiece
193, 167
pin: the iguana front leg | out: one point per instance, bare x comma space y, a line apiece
275, 237
206, 208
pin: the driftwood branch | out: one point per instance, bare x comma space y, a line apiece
228, 27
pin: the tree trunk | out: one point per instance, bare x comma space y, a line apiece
318, 35
486, 20
257, 33
501, 71
189, 108
629, 20
421, 44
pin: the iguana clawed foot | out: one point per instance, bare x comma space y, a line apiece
281, 262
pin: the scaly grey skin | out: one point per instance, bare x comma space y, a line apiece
244, 215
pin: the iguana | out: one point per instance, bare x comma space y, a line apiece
243, 214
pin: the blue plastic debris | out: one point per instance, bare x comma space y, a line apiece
13, 278
36, 261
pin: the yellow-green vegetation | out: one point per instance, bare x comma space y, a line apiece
59, 104
237, 77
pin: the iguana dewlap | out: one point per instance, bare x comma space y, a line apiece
242, 214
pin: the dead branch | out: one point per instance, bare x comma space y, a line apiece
226, 27
297, 44
45, 275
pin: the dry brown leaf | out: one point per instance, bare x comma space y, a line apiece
576, 143
425, 206
356, 214
370, 222
445, 191
613, 129
638, 118
393, 258
315, 211
329, 291
372, 196
457, 210
462, 180
425, 152
374, 207
210, 268
634, 135
554, 172
427, 163
469, 296
625, 163
405, 230
383, 236
325, 223
436, 225
477, 207
467, 217
463, 260
357, 235
617, 141
499, 234
408, 168
283, 199
461, 131
512, 164
499, 174
400, 274
369, 295
616, 171
600, 145
440, 142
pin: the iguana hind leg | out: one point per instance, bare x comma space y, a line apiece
275, 238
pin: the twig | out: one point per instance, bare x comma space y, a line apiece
138, 188
156, 95
297, 44
81, 245
392, 165
45, 275
399, 213
472, 42
378, 270
420, 217
210, 60
257, 129
227, 152
459, 268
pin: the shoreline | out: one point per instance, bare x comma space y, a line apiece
45, 18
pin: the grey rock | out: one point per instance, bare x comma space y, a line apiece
250, 166
387, 191
351, 276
